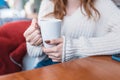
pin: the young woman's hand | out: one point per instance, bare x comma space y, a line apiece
32, 34
55, 53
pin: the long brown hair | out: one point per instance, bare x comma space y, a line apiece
60, 8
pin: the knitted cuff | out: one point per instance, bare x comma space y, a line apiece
68, 54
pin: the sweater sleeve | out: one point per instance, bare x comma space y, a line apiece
34, 51
106, 45
45, 8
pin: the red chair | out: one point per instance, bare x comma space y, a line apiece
12, 46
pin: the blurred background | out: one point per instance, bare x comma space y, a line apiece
11, 10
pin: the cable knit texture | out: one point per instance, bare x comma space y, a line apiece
36, 51
89, 37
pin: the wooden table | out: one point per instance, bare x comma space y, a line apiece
91, 68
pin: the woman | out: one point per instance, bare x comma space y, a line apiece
89, 27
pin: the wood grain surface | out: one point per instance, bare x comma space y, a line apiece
91, 68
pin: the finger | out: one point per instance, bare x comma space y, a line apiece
31, 37
36, 38
50, 50
56, 60
54, 41
37, 41
29, 31
34, 21
53, 57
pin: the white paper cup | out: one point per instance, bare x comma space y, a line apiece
50, 29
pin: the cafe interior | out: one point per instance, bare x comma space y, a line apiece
16, 64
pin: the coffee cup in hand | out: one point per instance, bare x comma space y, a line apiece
50, 29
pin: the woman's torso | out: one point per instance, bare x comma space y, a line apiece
78, 24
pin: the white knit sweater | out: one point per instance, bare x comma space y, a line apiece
83, 36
